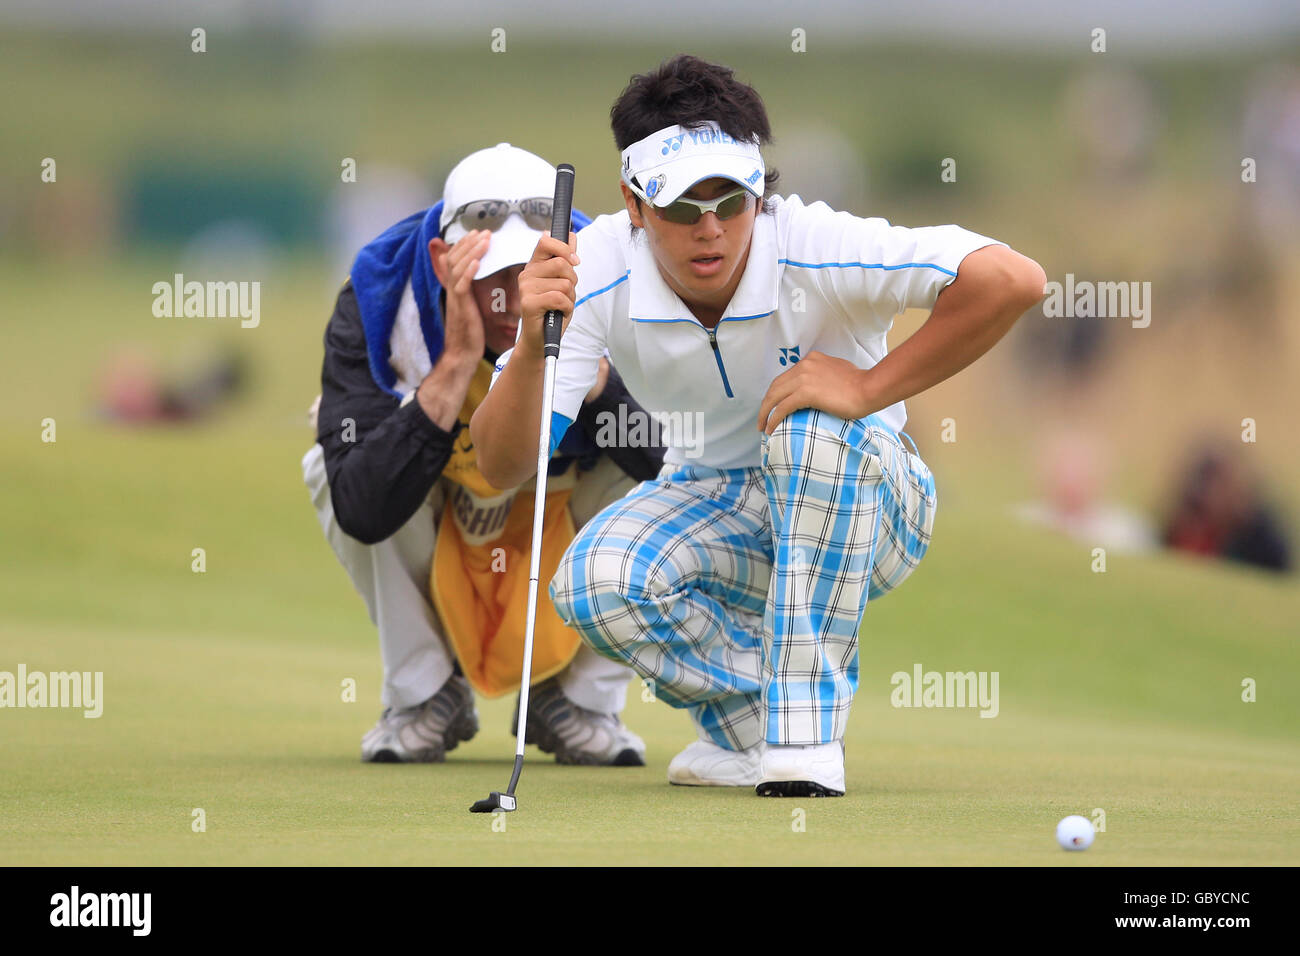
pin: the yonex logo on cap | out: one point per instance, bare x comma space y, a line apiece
753, 177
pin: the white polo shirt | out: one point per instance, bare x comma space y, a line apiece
816, 280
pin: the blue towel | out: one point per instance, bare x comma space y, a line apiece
379, 276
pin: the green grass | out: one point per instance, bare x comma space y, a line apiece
245, 720
1119, 691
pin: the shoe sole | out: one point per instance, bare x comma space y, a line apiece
628, 758
795, 788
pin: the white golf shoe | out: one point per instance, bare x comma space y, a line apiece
816, 770
424, 733
704, 764
576, 735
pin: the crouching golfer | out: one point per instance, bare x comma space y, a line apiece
440, 555
735, 581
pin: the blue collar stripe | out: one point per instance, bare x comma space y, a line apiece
864, 265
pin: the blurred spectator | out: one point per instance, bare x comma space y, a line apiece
1220, 512
132, 388
1073, 472
1069, 351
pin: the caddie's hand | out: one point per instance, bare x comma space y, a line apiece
548, 282
819, 381
455, 267
602, 379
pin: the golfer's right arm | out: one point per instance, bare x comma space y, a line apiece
507, 424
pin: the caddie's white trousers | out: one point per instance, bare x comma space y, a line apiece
392, 578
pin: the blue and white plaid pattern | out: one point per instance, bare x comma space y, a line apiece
678, 581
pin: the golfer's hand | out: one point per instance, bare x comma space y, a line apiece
547, 282
816, 381
455, 267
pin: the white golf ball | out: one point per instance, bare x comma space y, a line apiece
1075, 833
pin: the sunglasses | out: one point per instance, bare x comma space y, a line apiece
687, 212
491, 214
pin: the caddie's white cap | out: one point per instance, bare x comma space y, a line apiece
501, 172
669, 162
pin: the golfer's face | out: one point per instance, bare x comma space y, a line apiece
497, 296
703, 261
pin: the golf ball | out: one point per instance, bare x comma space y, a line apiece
1074, 833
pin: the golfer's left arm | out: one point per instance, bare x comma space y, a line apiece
994, 286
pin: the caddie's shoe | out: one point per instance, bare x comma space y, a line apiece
424, 733
574, 734
813, 771
704, 764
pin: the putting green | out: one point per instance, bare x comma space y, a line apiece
223, 691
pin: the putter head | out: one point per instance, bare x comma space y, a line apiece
494, 803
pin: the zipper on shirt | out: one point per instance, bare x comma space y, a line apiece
717, 355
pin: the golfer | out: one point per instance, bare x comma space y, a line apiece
439, 554
735, 581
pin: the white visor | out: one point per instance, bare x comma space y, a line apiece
669, 162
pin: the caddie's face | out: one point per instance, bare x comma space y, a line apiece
498, 301
704, 262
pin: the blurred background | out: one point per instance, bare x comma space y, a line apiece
1171, 158
1123, 165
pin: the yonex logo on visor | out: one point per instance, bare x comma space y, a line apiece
670, 161
698, 137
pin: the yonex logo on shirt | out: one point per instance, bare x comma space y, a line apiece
837, 265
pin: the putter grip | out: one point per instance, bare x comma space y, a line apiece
560, 215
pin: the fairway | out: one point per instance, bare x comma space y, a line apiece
223, 689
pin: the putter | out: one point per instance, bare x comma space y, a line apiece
553, 325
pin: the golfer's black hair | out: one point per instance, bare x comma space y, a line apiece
687, 91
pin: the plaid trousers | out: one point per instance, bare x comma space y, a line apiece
738, 593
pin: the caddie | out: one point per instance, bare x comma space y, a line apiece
735, 582
438, 553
